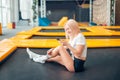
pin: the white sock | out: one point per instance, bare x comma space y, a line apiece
37, 57
31, 54
41, 59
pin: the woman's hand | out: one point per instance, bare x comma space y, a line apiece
64, 43
50, 51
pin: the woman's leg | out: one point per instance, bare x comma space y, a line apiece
56, 59
64, 58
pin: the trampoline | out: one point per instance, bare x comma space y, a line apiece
101, 64
63, 37
60, 30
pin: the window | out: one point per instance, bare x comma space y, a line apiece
4, 12
25, 8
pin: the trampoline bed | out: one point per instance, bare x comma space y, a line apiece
60, 30
101, 64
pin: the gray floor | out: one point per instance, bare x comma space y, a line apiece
8, 33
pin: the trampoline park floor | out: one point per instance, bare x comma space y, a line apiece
103, 63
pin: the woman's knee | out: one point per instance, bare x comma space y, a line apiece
58, 49
61, 48
55, 50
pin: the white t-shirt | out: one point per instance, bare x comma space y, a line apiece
79, 40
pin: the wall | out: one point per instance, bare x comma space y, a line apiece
65, 8
117, 13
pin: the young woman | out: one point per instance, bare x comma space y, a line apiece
70, 54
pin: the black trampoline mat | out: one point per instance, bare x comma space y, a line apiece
101, 64
63, 37
47, 37
52, 30
60, 30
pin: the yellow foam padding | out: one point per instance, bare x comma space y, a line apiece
50, 43
110, 26
96, 43
31, 31
94, 31
99, 30
19, 37
35, 29
94, 34
62, 21
50, 34
25, 33
0, 29
37, 43
6, 48
116, 33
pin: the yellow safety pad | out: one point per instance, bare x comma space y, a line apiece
31, 31
99, 30
50, 33
25, 33
6, 48
62, 21
20, 37
35, 29
116, 33
94, 31
50, 43
109, 26
0, 29
37, 43
94, 43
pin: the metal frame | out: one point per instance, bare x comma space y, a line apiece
43, 8
112, 14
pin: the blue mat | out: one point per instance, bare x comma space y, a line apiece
44, 22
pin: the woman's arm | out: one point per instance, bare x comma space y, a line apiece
76, 51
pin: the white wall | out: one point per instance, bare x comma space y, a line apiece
8, 11
16, 11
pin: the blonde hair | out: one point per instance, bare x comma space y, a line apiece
73, 26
